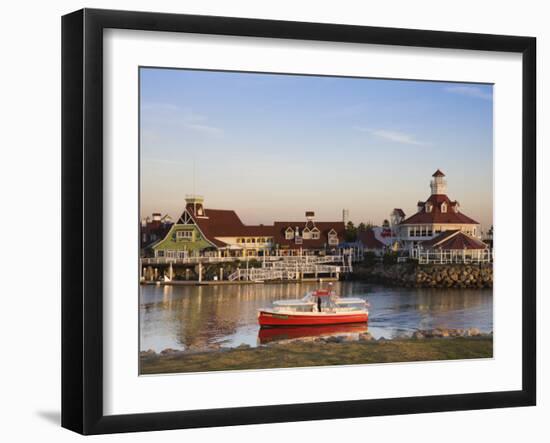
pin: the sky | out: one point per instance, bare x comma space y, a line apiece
271, 146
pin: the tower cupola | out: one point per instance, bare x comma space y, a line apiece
438, 184
195, 203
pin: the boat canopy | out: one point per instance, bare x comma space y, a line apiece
293, 303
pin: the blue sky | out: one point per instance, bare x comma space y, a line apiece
272, 146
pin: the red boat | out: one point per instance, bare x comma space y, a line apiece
321, 307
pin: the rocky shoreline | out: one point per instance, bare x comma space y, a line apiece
344, 338
412, 275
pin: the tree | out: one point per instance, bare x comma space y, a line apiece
351, 232
362, 227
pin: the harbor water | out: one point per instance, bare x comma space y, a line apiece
218, 316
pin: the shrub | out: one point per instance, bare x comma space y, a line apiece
369, 259
390, 258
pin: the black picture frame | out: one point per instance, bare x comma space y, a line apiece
82, 218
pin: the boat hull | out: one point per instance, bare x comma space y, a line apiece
281, 319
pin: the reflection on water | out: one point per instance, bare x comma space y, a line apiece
268, 335
199, 317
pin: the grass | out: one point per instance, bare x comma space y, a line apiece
321, 354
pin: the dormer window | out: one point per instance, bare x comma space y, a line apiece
184, 235
315, 234
443, 207
289, 233
306, 234
429, 207
332, 237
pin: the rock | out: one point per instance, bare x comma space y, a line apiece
243, 346
348, 338
305, 340
169, 351
148, 354
366, 336
418, 335
473, 332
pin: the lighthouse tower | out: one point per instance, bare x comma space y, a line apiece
438, 183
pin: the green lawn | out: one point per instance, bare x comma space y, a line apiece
321, 354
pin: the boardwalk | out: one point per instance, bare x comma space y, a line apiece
272, 267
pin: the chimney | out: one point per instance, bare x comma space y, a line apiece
345, 216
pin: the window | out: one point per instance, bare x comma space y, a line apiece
315, 234
184, 235
160, 253
332, 237
289, 234
298, 240
443, 207
306, 234
429, 207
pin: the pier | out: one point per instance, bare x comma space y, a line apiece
291, 268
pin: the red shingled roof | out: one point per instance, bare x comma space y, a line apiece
438, 173
399, 212
226, 223
436, 216
369, 240
324, 228
453, 240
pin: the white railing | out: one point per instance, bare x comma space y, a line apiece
289, 273
453, 257
264, 259
272, 267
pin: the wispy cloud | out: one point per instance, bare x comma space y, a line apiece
470, 91
394, 136
185, 117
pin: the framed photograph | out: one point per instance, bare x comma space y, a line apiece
269, 221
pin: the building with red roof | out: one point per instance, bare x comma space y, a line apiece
434, 216
154, 228
221, 231
308, 235
454, 240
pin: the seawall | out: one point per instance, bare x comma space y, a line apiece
427, 276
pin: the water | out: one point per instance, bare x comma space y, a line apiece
202, 317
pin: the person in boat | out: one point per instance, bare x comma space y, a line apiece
318, 304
